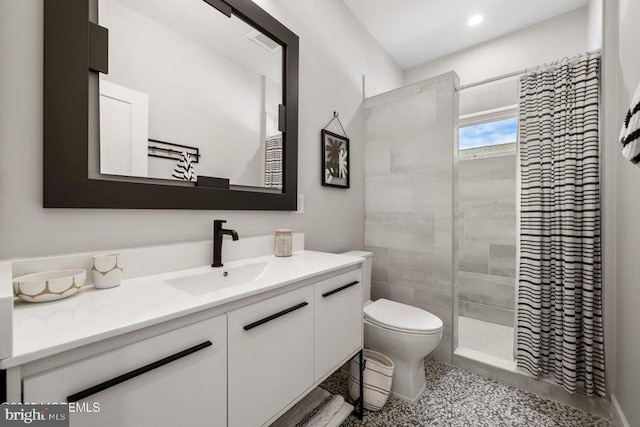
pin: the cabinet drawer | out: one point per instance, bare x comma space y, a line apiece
270, 356
165, 380
338, 320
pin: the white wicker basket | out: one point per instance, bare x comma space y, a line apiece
378, 376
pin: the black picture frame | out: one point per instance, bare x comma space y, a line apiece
336, 166
74, 48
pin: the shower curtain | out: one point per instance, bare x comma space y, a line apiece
559, 331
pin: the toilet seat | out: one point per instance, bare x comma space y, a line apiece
402, 318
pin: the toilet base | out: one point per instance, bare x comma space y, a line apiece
409, 379
407, 351
407, 399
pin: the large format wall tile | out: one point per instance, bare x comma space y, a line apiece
490, 227
444, 231
438, 190
437, 304
423, 191
380, 263
502, 260
487, 313
403, 114
459, 216
487, 289
397, 193
377, 158
443, 351
502, 167
504, 194
402, 230
473, 257
474, 170
430, 271
489, 196
447, 111
421, 152
475, 195
402, 294
487, 252
409, 196
380, 290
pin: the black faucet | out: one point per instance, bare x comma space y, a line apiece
218, 232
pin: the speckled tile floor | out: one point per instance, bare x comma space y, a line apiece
454, 397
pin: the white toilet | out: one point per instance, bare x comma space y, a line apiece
401, 332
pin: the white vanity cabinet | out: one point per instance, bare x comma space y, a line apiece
239, 361
270, 356
282, 347
181, 380
338, 326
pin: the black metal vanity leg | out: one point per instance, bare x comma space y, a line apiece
3, 386
358, 411
361, 400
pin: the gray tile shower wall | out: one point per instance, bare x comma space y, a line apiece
410, 173
487, 267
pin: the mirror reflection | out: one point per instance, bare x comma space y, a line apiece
190, 92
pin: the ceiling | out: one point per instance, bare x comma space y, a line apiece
418, 31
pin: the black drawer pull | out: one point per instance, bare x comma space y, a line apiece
274, 316
136, 372
341, 288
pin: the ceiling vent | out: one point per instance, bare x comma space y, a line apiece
264, 41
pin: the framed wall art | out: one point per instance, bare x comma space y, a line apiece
335, 160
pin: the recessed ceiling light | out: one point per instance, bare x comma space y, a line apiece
475, 20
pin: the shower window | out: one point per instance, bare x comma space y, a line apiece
488, 138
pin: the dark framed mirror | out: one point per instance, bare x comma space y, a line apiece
136, 92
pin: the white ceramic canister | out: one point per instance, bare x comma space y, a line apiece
106, 270
283, 242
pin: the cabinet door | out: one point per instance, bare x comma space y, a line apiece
186, 385
338, 320
270, 356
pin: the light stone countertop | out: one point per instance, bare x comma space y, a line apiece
92, 315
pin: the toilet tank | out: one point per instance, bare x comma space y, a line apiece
366, 272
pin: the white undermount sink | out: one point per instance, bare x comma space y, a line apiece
220, 278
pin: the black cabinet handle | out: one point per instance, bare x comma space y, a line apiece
137, 372
341, 288
274, 316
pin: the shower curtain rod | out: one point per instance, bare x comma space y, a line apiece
524, 71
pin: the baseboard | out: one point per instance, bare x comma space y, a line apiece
617, 416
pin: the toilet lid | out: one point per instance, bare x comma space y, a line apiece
402, 317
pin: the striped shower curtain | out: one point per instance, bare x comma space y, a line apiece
559, 331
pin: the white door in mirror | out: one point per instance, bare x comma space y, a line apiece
124, 130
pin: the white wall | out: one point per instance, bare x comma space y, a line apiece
177, 73
335, 51
594, 25
627, 382
610, 127
565, 35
